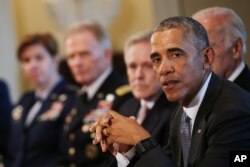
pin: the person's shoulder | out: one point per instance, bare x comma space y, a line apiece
232, 97
3, 85
123, 90
27, 94
64, 87
122, 94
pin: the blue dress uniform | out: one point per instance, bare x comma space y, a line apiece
81, 151
41, 143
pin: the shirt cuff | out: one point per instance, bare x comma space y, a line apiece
124, 159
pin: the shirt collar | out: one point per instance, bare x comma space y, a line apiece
150, 103
192, 109
236, 72
92, 88
45, 93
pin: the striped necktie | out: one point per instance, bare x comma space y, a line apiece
185, 137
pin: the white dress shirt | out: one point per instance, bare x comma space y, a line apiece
38, 104
192, 109
236, 72
93, 88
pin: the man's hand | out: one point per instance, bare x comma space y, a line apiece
115, 128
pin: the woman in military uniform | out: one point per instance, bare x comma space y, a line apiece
36, 138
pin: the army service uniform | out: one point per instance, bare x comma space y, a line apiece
81, 151
41, 143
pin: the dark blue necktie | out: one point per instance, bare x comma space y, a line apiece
185, 137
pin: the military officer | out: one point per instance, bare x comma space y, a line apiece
36, 137
89, 56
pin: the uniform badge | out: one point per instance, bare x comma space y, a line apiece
62, 98
17, 113
53, 113
91, 151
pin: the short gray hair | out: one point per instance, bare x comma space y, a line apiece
234, 27
94, 27
190, 26
143, 36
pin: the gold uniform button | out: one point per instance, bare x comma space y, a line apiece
72, 136
72, 151
72, 165
92, 135
68, 119
73, 112
85, 128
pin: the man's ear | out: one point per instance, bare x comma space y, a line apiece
237, 49
208, 55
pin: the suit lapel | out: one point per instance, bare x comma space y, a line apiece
132, 108
29, 102
201, 118
174, 143
153, 115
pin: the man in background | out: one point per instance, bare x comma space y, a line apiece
149, 105
227, 36
89, 56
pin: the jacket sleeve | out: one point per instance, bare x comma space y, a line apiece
155, 157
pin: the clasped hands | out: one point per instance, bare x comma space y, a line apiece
117, 133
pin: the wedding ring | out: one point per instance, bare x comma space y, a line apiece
105, 132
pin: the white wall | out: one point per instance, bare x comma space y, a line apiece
8, 63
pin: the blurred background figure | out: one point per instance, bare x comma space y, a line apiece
36, 138
227, 36
149, 104
5, 112
89, 56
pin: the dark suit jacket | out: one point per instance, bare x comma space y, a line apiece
5, 110
222, 124
243, 80
41, 144
80, 148
157, 120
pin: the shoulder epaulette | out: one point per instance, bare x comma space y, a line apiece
72, 87
122, 90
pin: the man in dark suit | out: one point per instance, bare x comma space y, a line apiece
5, 112
89, 57
213, 117
36, 136
149, 105
227, 36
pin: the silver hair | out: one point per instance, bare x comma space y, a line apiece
94, 27
143, 36
233, 25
